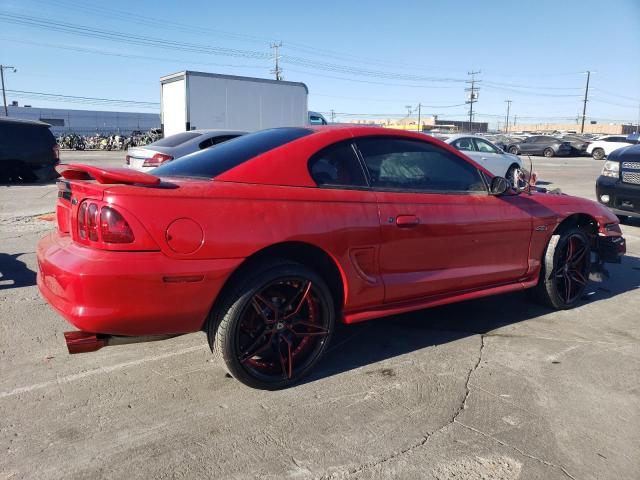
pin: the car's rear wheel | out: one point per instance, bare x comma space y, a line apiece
565, 269
598, 153
514, 150
548, 152
274, 326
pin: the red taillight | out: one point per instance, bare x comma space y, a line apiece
56, 152
92, 222
82, 220
113, 227
157, 159
104, 224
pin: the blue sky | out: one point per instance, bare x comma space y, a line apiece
365, 59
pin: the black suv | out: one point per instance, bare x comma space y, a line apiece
28, 151
618, 187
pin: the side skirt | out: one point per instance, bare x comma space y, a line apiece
434, 301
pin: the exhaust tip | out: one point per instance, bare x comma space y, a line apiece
83, 342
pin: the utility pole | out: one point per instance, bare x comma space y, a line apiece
586, 99
419, 116
473, 96
4, 95
277, 70
409, 109
506, 123
333, 115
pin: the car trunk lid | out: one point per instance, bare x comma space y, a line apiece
80, 182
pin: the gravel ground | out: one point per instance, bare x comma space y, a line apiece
498, 388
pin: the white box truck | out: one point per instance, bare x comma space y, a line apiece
195, 100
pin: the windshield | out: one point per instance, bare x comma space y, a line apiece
213, 161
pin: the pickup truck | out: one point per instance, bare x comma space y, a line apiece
618, 187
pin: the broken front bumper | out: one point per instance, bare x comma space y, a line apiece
610, 249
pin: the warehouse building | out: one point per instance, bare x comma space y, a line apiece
591, 127
87, 122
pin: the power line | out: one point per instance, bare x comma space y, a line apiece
142, 40
84, 100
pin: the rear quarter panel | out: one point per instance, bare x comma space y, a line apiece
238, 220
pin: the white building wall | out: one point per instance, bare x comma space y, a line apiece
88, 122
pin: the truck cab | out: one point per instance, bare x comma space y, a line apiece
316, 118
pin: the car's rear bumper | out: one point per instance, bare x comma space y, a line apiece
624, 198
128, 293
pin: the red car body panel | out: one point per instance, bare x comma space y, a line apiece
395, 251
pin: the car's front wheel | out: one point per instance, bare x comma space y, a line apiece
513, 174
548, 152
565, 269
274, 325
514, 150
598, 154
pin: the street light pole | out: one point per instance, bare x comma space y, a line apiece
4, 95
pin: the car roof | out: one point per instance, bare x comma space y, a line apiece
22, 121
273, 168
217, 132
462, 135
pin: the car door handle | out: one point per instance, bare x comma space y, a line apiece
407, 221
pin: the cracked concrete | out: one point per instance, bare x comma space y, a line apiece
498, 388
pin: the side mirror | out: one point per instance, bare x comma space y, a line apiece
499, 185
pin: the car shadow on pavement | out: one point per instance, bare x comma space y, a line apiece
20, 183
354, 346
15, 273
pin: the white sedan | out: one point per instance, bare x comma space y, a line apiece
175, 146
603, 146
488, 155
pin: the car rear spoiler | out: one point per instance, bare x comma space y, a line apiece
106, 175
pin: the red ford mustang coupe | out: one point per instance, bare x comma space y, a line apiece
267, 240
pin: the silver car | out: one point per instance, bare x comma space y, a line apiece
175, 146
488, 155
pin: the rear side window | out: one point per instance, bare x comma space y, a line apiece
412, 165
211, 162
27, 135
484, 146
337, 165
177, 139
210, 142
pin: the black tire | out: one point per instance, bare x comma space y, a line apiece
548, 152
598, 154
514, 150
246, 322
553, 288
